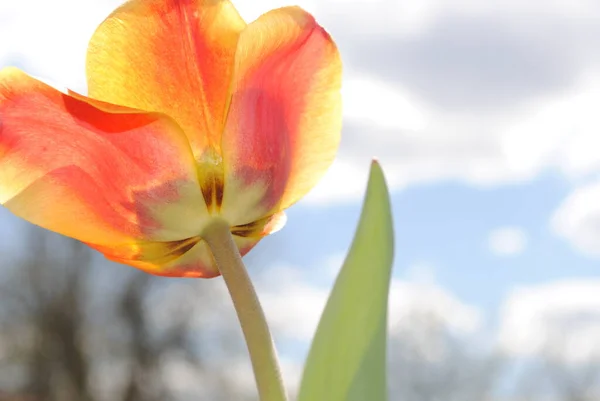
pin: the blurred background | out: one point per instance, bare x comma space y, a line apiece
485, 118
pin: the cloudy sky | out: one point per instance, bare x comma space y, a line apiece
485, 118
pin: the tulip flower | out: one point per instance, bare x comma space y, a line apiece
191, 115
198, 131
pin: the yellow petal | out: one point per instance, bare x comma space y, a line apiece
173, 57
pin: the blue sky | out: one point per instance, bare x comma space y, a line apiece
484, 117
446, 229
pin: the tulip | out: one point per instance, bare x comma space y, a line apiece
198, 131
192, 116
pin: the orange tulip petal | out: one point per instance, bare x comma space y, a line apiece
100, 177
169, 56
187, 258
283, 126
190, 257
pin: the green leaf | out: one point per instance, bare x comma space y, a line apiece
347, 360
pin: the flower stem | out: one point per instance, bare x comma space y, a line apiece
250, 314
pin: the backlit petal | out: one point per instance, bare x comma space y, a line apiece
170, 56
190, 257
284, 122
105, 178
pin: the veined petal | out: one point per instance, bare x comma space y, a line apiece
283, 126
105, 178
169, 56
186, 258
190, 257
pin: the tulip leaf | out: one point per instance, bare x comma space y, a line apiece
347, 360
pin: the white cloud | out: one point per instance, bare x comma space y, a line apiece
408, 19
251, 10
566, 134
561, 318
408, 298
381, 17
578, 219
294, 306
507, 241
560, 130
556, 131
421, 273
49, 39
368, 99
344, 180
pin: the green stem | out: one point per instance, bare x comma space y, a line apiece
250, 314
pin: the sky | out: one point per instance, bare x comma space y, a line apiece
484, 118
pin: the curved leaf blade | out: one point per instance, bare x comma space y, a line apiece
347, 360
